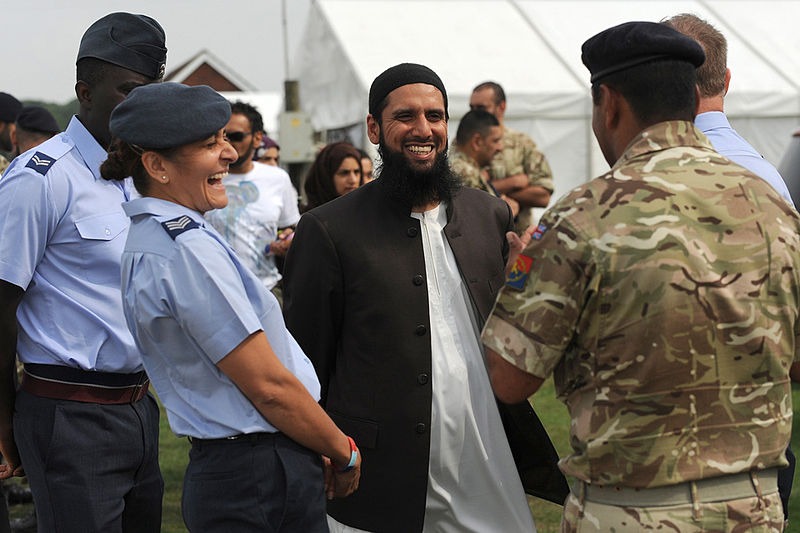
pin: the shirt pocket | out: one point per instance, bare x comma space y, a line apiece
102, 240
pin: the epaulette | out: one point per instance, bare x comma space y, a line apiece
48, 153
179, 225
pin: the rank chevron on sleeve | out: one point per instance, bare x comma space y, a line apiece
179, 225
41, 163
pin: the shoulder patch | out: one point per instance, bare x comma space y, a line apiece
41, 162
537, 234
179, 225
519, 272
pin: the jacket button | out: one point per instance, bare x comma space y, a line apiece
422, 379
420, 428
418, 279
412, 232
420, 330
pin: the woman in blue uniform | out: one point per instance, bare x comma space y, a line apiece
213, 340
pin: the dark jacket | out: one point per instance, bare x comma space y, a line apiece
356, 300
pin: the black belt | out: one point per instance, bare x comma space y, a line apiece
242, 437
69, 383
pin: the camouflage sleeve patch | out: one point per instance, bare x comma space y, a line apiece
537, 312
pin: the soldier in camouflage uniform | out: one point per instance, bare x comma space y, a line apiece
663, 297
520, 170
478, 139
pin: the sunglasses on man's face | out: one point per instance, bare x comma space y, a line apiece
237, 136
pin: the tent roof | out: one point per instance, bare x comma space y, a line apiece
531, 47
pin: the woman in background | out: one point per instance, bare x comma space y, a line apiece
336, 171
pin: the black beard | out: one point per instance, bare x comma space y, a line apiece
246, 157
411, 186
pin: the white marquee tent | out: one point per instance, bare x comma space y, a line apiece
532, 48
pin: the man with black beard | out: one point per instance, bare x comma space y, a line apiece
386, 289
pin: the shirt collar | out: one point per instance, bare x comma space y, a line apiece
162, 209
711, 120
455, 153
92, 153
662, 136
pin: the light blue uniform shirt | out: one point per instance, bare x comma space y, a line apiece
62, 232
189, 302
715, 126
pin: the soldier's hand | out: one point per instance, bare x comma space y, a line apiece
513, 204
516, 244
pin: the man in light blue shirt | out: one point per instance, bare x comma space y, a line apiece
84, 430
713, 78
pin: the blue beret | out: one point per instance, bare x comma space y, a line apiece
134, 42
9, 108
167, 115
399, 75
633, 43
37, 118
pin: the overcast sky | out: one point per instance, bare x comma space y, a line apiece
40, 38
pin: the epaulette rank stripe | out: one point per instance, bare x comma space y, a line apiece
41, 162
179, 225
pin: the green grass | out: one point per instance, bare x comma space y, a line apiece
174, 454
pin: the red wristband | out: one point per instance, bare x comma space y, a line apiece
353, 456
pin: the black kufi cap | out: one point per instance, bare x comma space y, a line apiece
9, 108
399, 75
167, 115
134, 42
633, 43
37, 118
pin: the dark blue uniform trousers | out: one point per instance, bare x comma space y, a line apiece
265, 483
91, 467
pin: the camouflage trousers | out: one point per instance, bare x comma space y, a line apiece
745, 515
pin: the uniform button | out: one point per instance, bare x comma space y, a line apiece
420, 330
420, 428
108, 231
422, 379
418, 279
412, 232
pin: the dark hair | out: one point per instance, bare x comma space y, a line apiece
499, 93
711, 74
91, 70
475, 121
656, 91
124, 160
252, 114
363, 154
319, 186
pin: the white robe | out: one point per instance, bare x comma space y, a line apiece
473, 485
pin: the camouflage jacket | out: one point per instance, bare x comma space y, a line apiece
468, 170
3, 164
520, 156
663, 296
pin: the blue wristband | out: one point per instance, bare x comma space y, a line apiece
353, 456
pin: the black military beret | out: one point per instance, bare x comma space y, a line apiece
9, 108
634, 43
399, 75
134, 42
37, 118
167, 115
